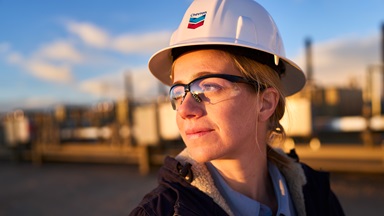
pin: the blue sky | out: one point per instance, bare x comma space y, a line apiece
78, 52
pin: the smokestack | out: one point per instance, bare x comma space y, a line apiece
128, 84
308, 52
382, 47
382, 59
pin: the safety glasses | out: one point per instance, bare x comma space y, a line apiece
212, 88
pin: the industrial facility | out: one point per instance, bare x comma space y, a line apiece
338, 128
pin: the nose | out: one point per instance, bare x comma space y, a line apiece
195, 96
190, 106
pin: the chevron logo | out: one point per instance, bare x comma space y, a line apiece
196, 20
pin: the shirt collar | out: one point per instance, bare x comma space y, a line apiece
240, 203
284, 201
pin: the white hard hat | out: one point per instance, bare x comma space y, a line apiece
236, 23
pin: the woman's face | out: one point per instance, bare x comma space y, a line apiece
222, 130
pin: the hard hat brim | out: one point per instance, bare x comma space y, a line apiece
160, 64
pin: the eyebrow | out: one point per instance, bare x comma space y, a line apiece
195, 76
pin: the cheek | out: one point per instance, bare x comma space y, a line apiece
239, 122
179, 122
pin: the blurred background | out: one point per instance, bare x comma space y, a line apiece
83, 121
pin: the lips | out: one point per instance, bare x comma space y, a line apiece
195, 133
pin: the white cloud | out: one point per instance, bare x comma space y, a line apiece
336, 62
89, 33
50, 72
106, 86
144, 83
126, 43
54, 61
113, 85
59, 50
39, 66
141, 43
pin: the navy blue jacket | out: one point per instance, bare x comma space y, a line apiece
176, 196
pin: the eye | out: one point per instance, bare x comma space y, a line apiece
213, 85
209, 87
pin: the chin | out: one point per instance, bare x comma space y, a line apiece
200, 156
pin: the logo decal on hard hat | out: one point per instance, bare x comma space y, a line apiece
196, 20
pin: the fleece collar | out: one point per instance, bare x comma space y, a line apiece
202, 179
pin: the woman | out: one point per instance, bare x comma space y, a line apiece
229, 78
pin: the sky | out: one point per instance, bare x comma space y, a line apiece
81, 52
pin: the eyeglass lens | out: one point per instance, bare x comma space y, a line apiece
209, 90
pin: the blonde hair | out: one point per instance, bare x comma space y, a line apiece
266, 77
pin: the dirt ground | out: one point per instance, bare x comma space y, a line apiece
97, 189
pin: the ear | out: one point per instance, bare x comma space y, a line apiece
269, 99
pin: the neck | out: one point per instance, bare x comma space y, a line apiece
250, 178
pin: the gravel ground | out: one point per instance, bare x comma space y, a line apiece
97, 189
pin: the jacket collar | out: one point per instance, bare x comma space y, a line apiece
203, 180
